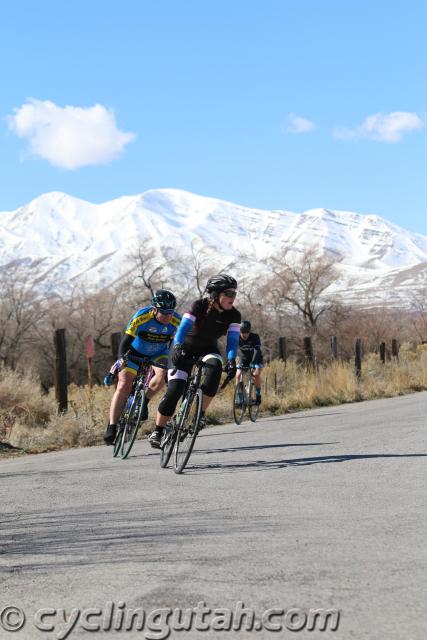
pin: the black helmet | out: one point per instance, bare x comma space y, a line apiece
245, 327
164, 300
220, 282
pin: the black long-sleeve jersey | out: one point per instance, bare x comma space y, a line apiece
250, 349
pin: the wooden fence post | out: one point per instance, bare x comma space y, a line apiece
334, 347
283, 349
395, 348
308, 353
90, 352
382, 352
115, 341
60, 371
358, 358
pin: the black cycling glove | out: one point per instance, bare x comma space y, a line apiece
177, 353
230, 368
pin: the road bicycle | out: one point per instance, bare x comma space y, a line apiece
131, 418
181, 431
245, 396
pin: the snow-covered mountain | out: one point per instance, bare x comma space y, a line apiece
72, 240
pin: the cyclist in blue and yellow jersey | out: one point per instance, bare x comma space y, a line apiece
201, 326
250, 355
149, 333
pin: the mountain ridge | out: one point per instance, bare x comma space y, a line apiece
76, 239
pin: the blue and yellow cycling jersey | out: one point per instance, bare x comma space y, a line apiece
150, 336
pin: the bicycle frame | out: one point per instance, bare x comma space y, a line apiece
126, 433
144, 375
142, 378
194, 380
242, 399
180, 435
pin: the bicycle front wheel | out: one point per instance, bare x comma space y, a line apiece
167, 444
132, 423
118, 440
239, 404
187, 431
253, 406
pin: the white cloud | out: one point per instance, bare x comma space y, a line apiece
69, 137
297, 124
381, 127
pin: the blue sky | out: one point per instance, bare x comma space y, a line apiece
271, 104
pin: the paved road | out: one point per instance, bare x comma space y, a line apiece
321, 509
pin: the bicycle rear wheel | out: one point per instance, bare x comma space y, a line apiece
187, 431
253, 406
132, 423
167, 444
239, 404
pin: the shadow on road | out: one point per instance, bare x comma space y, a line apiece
231, 449
294, 416
226, 433
147, 534
262, 465
257, 447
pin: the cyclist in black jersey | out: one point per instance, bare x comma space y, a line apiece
250, 355
200, 328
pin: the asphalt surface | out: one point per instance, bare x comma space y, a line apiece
324, 509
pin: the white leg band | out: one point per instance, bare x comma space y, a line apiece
212, 355
177, 374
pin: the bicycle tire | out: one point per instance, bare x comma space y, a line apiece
169, 443
118, 440
132, 424
239, 407
187, 431
253, 407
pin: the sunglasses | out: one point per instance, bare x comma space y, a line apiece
165, 312
230, 293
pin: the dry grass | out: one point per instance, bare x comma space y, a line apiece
23, 407
29, 419
291, 387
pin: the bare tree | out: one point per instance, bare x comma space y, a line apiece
148, 272
190, 271
82, 313
199, 256
418, 315
302, 283
22, 307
